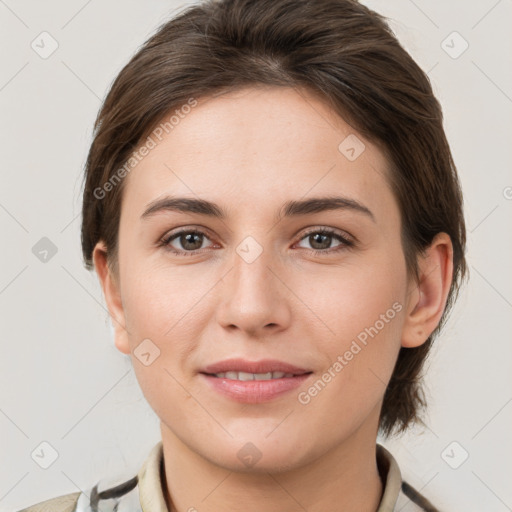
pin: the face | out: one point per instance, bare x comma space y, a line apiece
322, 289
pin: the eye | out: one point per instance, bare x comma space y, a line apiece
189, 240
321, 239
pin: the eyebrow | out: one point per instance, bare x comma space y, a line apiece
289, 209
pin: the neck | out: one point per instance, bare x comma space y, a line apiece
346, 475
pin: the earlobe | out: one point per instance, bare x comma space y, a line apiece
426, 300
112, 295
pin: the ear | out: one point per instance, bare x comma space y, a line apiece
112, 293
427, 299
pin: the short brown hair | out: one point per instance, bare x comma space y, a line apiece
338, 49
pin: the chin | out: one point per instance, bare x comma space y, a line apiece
258, 453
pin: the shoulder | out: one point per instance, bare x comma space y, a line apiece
398, 494
64, 503
414, 499
113, 493
102, 497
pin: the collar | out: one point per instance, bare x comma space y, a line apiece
391, 479
150, 478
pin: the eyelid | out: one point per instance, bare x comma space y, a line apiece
187, 229
165, 240
332, 231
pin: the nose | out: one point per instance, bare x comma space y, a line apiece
253, 296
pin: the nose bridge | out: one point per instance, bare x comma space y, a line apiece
251, 295
251, 274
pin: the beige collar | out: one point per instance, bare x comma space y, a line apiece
391, 479
150, 481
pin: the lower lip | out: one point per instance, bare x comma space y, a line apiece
254, 391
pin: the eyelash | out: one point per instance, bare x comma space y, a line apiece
346, 243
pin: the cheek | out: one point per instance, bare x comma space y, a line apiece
165, 310
161, 320
355, 297
362, 308
158, 299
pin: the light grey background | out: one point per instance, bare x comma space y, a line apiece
61, 379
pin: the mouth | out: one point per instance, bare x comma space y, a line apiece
245, 376
253, 381
264, 369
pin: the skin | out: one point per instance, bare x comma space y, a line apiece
250, 152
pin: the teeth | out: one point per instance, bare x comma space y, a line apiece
263, 376
252, 376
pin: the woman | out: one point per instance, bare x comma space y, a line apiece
274, 215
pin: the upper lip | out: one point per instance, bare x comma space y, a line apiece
262, 366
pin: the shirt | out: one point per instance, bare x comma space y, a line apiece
144, 493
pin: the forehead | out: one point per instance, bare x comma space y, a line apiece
258, 143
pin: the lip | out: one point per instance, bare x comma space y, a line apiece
254, 391
263, 366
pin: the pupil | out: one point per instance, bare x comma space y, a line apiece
316, 235
189, 239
